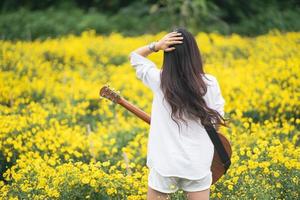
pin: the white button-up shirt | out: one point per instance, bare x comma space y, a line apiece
187, 154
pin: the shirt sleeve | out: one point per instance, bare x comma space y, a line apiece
146, 70
218, 100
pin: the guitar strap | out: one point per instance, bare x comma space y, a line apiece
218, 146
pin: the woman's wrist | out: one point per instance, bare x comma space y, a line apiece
157, 46
154, 47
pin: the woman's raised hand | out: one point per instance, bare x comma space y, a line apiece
169, 39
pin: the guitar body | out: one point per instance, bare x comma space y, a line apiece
217, 167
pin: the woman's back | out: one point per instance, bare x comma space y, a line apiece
188, 153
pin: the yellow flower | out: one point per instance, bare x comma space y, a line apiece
85, 180
276, 173
111, 191
278, 185
105, 164
123, 166
93, 183
266, 170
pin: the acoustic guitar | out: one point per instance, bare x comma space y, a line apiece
218, 168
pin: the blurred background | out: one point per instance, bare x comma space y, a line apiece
31, 19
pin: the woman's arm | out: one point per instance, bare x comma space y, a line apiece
163, 44
146, 70
144, 50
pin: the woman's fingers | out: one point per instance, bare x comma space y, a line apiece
172, 34
174, 42
175, 38
171, 38
169, 49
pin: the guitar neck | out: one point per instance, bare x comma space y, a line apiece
135, 110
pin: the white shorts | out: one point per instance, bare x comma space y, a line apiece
172, 184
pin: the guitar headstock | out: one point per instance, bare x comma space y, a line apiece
110, 94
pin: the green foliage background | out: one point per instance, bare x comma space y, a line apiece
33, 19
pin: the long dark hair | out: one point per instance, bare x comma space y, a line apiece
183, 85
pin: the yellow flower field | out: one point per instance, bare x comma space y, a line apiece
59, 140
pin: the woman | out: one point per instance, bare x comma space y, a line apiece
179, 156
